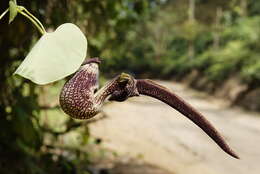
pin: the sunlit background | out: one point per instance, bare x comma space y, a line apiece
206, 51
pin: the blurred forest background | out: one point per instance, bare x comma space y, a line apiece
208, 44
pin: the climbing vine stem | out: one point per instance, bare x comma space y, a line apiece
23, 11
33, 19
30, 16
2, 15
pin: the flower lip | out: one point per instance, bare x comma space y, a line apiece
92, 60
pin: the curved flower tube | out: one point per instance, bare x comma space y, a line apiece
79, 99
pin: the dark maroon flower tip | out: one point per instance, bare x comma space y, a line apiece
92, 60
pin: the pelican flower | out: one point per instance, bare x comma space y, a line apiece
81, 99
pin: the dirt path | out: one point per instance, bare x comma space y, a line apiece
149, 129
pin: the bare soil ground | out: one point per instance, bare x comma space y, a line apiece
146, 128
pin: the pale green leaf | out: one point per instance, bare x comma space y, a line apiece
55, 56
13, 11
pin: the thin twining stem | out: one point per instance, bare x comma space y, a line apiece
34, 18
34, 22
2, 15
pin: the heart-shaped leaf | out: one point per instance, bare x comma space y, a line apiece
55, 56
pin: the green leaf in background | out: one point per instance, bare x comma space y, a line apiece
13, 11
55, 56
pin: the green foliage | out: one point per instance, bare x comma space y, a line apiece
227, 44
251, 69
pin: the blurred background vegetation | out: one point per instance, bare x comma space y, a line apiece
205, 42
